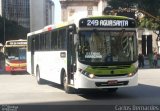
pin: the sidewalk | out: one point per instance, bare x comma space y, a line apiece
147, 65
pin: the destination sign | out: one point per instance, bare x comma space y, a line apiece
106, 23
17, 43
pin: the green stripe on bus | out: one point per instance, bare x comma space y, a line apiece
107, 70
109, 17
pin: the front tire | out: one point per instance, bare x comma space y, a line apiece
65, 84
39, 80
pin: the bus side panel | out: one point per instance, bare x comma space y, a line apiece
50, 65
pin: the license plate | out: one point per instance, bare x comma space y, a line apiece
112, 82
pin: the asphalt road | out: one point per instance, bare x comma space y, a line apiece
23, 89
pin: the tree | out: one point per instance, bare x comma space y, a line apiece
12, 30
151, 7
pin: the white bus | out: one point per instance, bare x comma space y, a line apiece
98, 53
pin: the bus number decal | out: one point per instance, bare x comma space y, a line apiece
108, 23
92, 22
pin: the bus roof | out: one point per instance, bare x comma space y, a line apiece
109, 17
62, 24
17, 40
16, 43
50, 27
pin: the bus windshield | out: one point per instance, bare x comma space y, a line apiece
16, 53
107, 46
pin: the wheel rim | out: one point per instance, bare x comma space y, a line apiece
37, 75
65, 81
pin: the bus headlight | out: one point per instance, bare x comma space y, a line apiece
133, 73
87, 74
130, 74
91, 76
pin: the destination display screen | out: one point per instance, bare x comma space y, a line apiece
17, 43
128, 23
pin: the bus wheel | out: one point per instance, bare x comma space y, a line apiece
67, 88
39, 80
112, 90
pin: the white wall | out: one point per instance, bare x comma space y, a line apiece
80, 11
38, 14
147, 32
57, 11
101, 5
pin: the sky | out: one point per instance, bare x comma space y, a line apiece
57, 11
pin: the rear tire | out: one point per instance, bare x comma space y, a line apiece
39, 80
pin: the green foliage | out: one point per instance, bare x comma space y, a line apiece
150, 6
12, 30
122, 3
148, 23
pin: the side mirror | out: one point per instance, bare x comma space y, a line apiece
71, 28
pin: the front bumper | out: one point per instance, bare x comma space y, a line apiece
81, 81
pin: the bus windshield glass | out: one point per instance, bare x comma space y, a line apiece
107, 46
16, 53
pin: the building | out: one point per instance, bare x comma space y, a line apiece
72, 9
147, 42
41, 14
16, 10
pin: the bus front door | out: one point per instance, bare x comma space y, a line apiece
71, 55
32, 55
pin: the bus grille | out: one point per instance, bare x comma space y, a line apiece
121, 83
112, 75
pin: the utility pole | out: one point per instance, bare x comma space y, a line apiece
4, 31
4, 17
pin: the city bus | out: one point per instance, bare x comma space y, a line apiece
96, 53
15, 55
